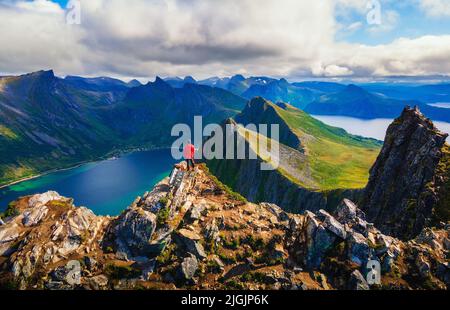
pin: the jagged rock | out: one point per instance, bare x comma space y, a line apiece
401, 195
134, 230
34, 216
318, 241
40, 200
8, 235
188, 267
388, 262
443, 272
57, 286
332, 225
357, 281
423, 265
69, 274
91, 263
189, 240
348, 211
277, 211
98, 282
358, 249
427, 236
195, 212
212, 231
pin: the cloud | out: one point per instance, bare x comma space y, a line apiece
144, 38
436, 8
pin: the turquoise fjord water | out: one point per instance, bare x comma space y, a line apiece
105, 187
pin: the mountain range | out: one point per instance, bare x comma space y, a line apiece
193, 232
367, 101
48, 122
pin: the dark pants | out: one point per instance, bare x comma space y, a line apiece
190, 163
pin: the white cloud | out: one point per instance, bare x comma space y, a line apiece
144, 38
436, 8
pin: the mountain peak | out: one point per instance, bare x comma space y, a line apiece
45, 74
354, 88
237, 78
409, 162
189, 79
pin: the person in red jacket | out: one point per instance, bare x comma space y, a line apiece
189, 153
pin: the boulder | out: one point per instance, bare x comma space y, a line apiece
212, 231
333, 225
134, 230
357, 281
98, 282
69, 274
188, 267
318, 241
358, 249
195, 212
190, 241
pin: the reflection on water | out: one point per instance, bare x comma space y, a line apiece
374, 128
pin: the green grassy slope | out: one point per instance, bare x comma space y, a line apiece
332, 158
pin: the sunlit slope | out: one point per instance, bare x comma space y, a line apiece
327, 157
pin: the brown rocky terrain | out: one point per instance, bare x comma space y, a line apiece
192, 232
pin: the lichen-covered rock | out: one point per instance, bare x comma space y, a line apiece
188, 267
42, 199
134, 230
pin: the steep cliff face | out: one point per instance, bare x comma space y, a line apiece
192, 232
408, 185
259, 111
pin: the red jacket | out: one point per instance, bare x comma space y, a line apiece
189, 151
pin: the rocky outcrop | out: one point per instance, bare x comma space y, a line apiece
319, 243
47, 232
192, 232
134, 230
403, 190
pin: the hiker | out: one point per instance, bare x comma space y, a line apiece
189, 153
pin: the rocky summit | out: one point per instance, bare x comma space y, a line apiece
192, 232
409, 183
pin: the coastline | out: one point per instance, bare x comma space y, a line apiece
110, 156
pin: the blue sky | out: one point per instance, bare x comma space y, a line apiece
62, 3
400, 19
